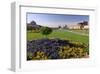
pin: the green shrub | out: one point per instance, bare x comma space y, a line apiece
46, 31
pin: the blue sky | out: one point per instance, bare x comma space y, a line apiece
54, 20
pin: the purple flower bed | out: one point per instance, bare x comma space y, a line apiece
47, 48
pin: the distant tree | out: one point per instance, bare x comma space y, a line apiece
65, 27
85, 22
82, 24
59, 27
30, 25
33, 22
46, 31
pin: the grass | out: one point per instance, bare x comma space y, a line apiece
62, 34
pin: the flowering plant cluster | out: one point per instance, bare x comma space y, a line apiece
43, 49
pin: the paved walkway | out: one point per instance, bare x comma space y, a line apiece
77, 33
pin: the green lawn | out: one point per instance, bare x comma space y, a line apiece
63, 34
